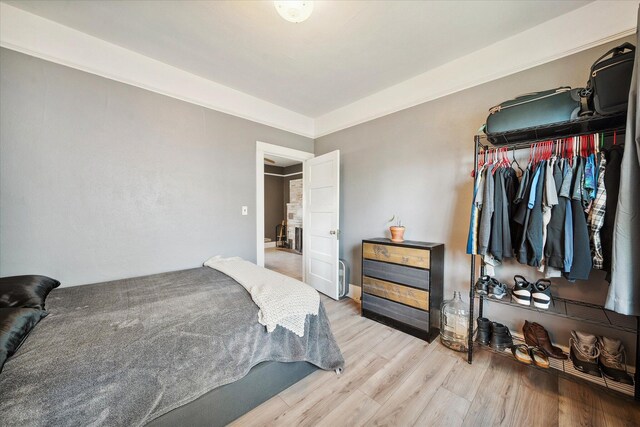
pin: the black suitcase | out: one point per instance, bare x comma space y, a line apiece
534, 109
610, 80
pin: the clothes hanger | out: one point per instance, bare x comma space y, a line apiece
505, 158
571, 146
548, 150
496, 161
513, 153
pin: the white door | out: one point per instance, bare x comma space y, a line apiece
322, 205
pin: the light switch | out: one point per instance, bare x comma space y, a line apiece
245, 210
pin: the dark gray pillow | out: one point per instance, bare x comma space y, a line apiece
25, 291
15, 325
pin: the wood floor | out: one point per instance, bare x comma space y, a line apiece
393, 379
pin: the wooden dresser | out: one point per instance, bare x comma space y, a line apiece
402, 285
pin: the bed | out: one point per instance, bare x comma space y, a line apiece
178, 348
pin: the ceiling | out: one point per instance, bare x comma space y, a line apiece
345, 51
280, 161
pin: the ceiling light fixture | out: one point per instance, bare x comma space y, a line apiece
294, 11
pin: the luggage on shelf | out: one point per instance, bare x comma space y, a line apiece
610, 80
534, 109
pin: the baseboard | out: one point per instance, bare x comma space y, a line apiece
270, 245
355, 292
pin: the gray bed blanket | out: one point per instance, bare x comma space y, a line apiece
125, 352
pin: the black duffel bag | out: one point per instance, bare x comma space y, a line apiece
534, 109
610, 80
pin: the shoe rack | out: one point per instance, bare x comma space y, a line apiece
560, 307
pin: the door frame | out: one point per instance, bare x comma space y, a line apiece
262, 149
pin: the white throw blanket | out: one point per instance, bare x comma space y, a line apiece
282, 300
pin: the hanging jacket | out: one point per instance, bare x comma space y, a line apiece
501, 229
522, 218
484, 231
510, 190
582, 263
549, 200
519, 211
612, 185
495, 242
554, 246
533, 251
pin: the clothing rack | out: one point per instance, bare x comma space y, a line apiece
522, 145
581, 126
577, 310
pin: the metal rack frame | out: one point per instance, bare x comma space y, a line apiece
523, 139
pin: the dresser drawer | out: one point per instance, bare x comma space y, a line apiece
396, 254
402, 313
396, 273
414, 297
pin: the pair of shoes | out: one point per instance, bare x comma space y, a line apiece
487, 285
599, 356
523, 292
536, 335
530, 355
494, 334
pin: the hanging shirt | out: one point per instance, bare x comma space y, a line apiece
596, 216
590, 184
565, 193
472, 239
524, 186
534, 186
550, 187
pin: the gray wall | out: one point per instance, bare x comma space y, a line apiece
416, 163
100, 180
273, 201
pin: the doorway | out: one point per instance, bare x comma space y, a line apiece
276, 168
283, 217
319, 215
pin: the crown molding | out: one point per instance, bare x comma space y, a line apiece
562, 36
591, 25
31, 34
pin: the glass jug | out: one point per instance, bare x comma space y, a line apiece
454, 323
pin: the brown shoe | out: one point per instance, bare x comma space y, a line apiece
535, 335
